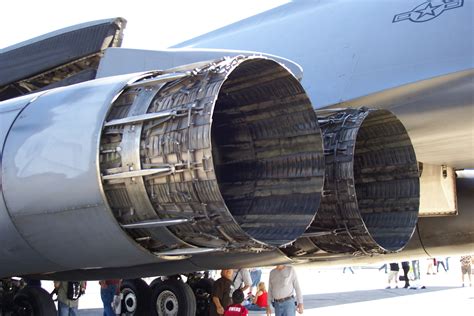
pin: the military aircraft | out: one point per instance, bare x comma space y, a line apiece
316, 133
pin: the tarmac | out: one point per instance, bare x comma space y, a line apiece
329, 292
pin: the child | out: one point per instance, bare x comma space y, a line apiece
236, 309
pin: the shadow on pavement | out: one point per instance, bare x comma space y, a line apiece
91, 312
339, 298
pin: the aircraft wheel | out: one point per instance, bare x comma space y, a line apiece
202, 291
173, 298
136, 297
34, 301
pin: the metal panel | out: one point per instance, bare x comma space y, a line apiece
51, 182
118, 61
16, 254
365, 54
56, 48
437, 191
199, 262
9, 110
428, 84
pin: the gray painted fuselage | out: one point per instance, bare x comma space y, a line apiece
412, 57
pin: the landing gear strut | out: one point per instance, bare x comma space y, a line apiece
202, 289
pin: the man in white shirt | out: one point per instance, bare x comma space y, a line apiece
283, 282
241, 279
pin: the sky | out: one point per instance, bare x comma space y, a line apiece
165, 22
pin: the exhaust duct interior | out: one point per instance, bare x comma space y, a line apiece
371, 191
228, 156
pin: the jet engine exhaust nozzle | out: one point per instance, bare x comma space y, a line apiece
227, 156
371, 192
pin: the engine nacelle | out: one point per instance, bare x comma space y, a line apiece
142, 168
228, 157
224, 156
371, 191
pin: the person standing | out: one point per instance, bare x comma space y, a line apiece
349, 268
415, 264
438, 263
109, 288
255, 275
466, 268
393, 274
221, 293
431, 264
241, 279
282, 285
68, 296
406, 268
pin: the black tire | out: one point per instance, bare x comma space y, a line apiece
172, 298
34, 301
202, 292
136, 297
154, 282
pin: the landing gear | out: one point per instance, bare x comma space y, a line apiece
172, 297
169, 296
202, 289
34, 301
20, 300
136, 297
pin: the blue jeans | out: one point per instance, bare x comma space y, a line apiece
255, 275
254, 307
107, 296
286, 308
64, 310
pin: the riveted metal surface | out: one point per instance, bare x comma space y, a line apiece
52, 188
244, 154
371, 190
15, 253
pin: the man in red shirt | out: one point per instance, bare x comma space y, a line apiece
236, 309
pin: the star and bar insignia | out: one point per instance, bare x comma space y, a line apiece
428, 10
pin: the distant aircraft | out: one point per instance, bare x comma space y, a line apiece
317, 133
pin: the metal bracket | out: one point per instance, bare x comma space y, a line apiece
138, 173
156, 223
161, 171
184, 253
181, 111
158, 80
